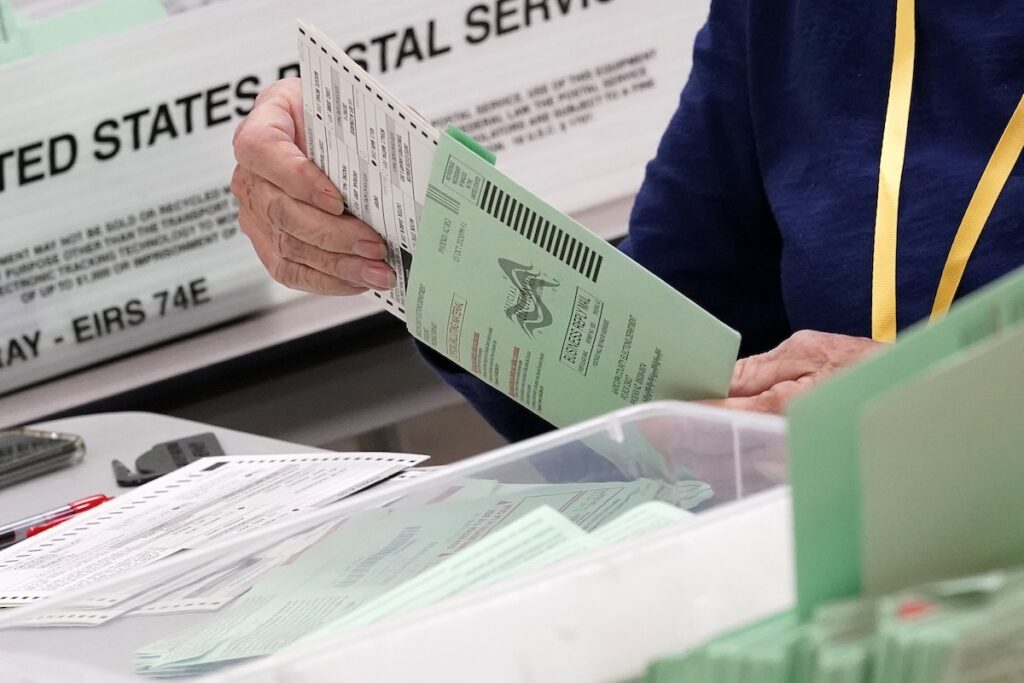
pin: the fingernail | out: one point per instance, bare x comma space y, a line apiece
379, 277
329, 200
370, 250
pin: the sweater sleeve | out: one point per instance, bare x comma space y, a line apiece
701, 220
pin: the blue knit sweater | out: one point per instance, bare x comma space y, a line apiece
760, 204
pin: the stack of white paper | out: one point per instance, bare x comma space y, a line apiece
212, 498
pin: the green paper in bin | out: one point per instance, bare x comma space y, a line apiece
21, 37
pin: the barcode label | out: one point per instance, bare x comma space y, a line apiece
443, 198
541, 231
359, 572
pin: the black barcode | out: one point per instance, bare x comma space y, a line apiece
443, 198
541, 231
359, 572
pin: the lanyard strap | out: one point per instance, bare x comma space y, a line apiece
890, 175
894, 146
993, 180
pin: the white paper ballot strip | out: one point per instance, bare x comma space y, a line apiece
194, 590
376, 150
208, 499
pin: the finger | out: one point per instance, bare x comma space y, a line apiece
291, 274
346, 267
757, 374
287, 93
265, 144
807, 352
774, 400
241, 185
273, 244
338, 234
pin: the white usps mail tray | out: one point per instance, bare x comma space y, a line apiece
598, 614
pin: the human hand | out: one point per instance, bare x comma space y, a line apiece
292, 212
766, 383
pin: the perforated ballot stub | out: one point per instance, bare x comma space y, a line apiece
377, 151
214, 497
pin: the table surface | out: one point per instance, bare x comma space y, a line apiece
123, 436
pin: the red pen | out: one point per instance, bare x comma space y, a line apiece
30, 526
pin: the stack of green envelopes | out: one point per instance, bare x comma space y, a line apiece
906, 471
969, 630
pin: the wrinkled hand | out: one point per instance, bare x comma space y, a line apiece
292, 212
768, 382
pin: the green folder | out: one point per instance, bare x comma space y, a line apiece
942, 470
824, 460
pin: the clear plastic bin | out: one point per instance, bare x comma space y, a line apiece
673, 448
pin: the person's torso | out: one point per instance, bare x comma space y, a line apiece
819, 85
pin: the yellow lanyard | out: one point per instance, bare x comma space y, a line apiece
894, 146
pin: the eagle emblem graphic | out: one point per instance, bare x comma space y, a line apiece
524, 304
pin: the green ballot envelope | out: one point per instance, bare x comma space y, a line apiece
826, 432
534, 304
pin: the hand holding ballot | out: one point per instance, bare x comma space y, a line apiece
345, 188
291, 210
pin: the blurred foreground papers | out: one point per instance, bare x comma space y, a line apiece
826, 432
